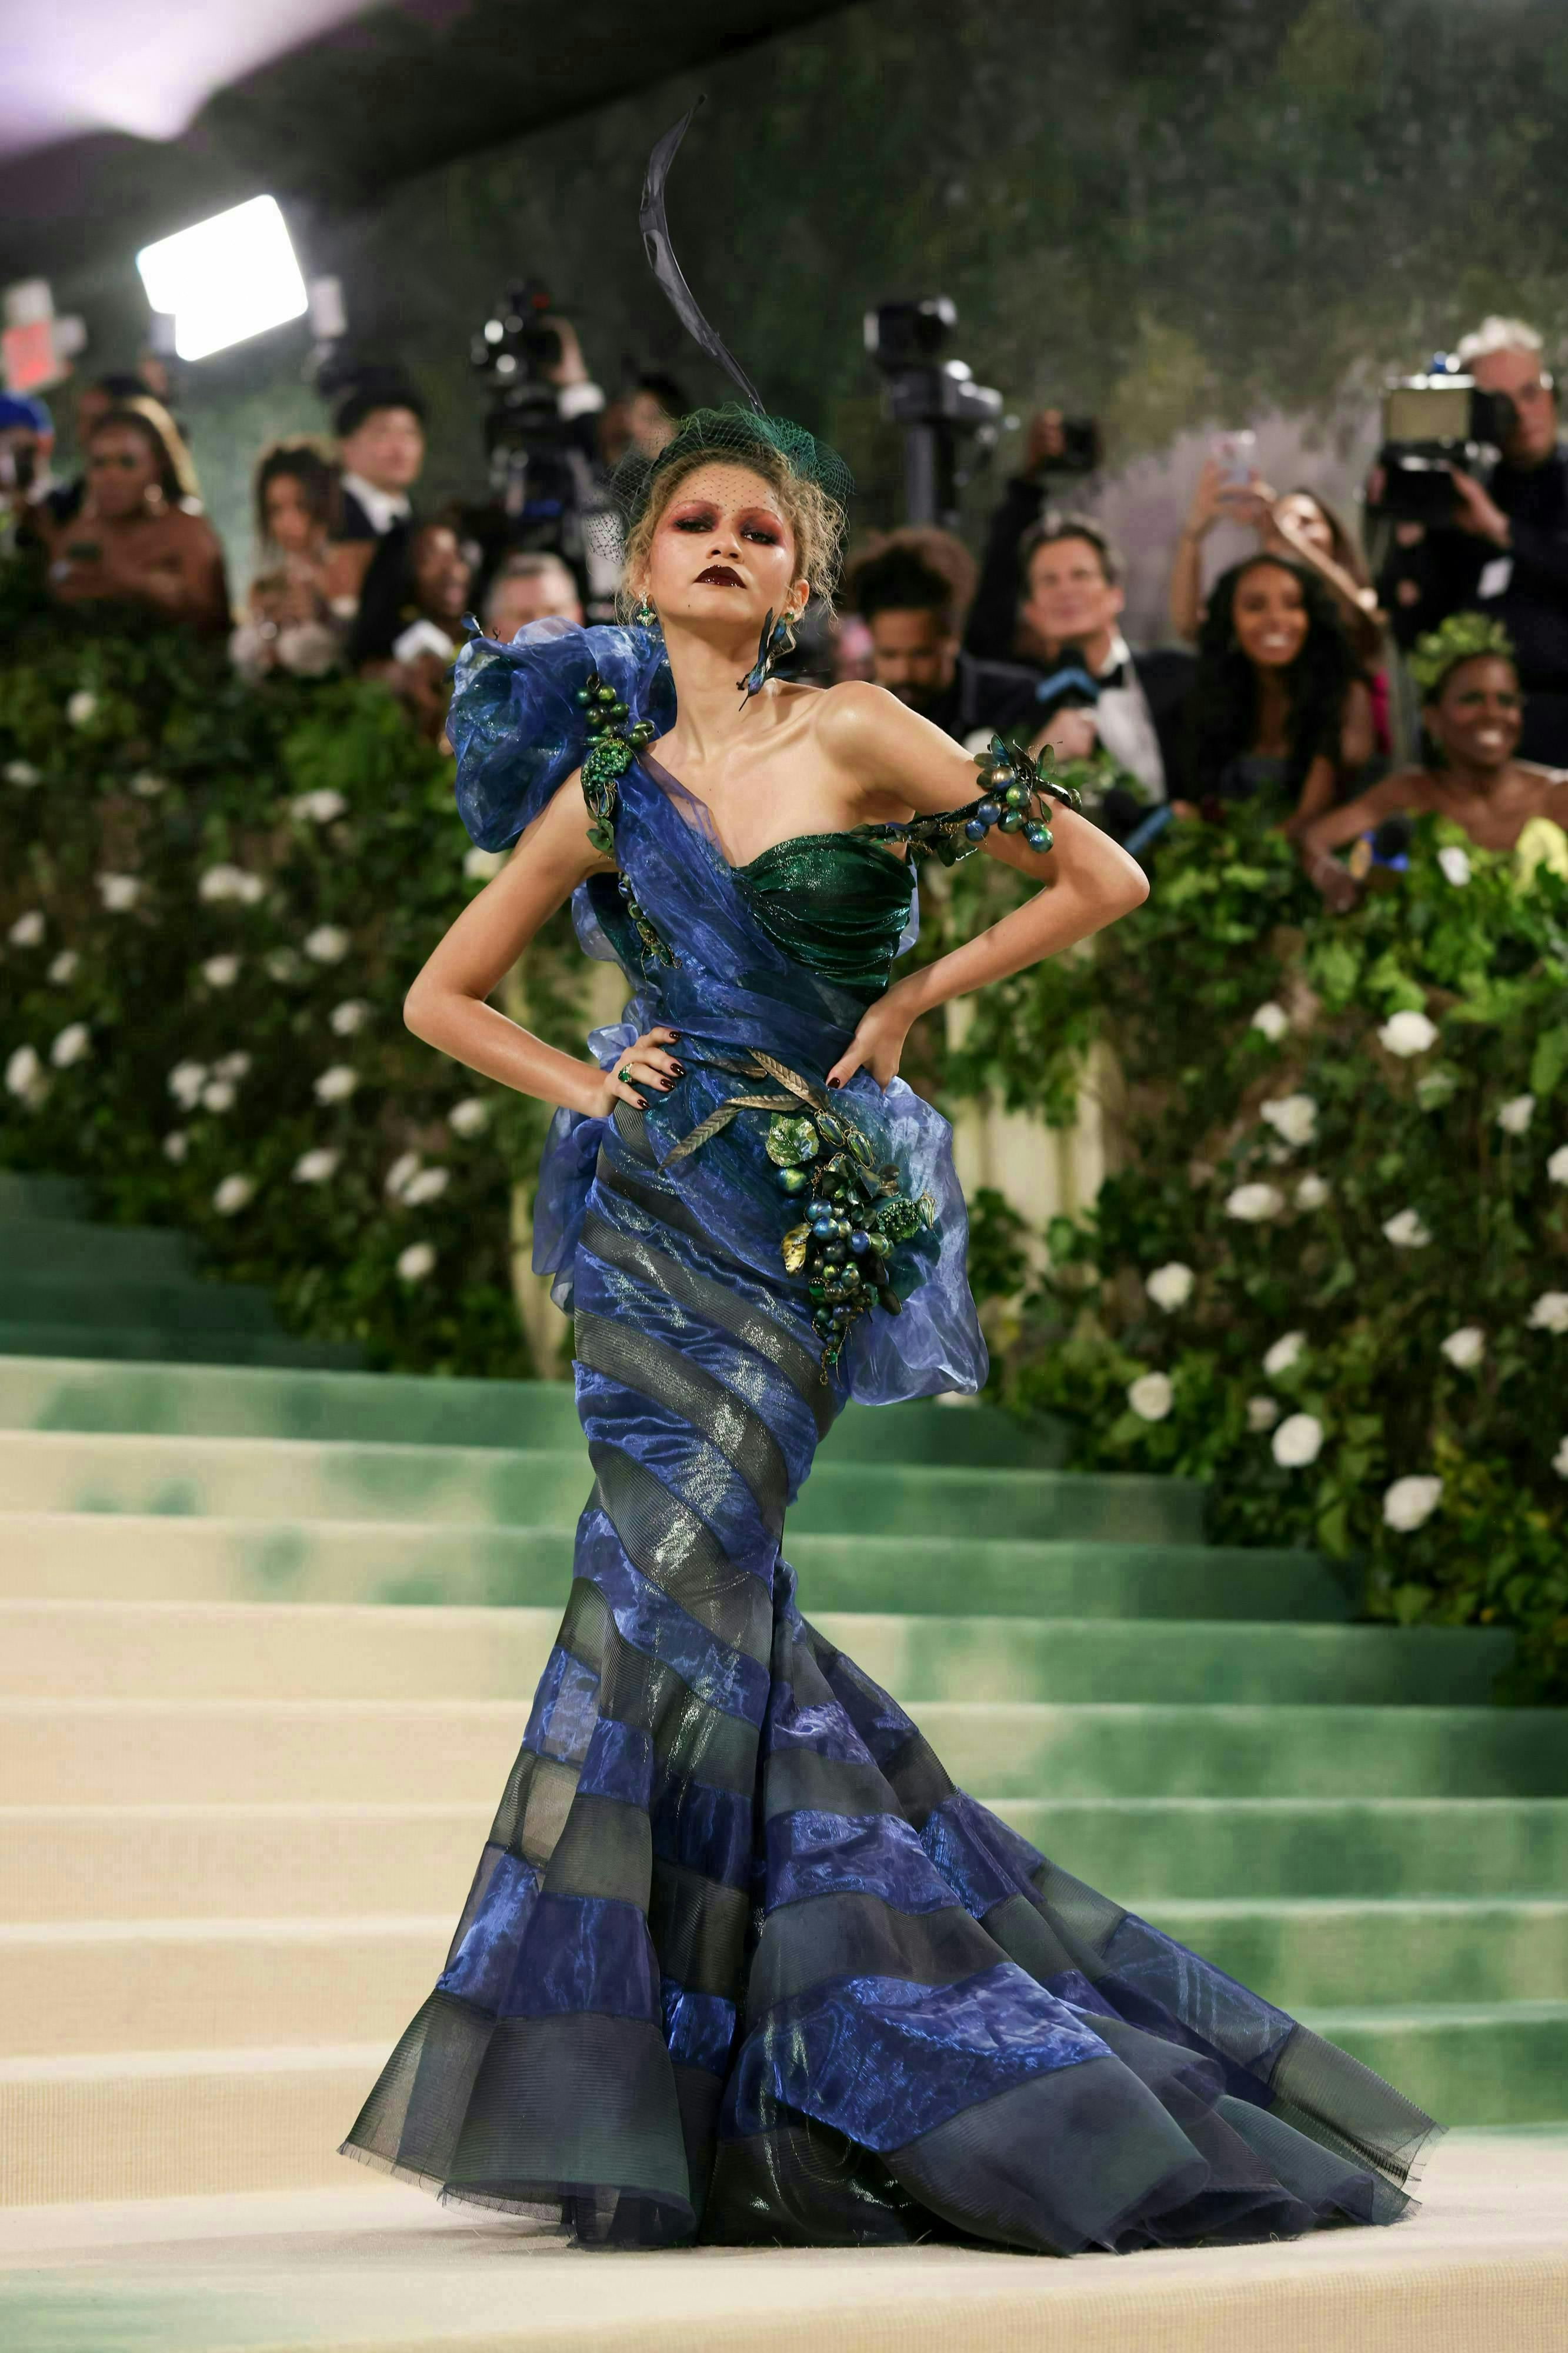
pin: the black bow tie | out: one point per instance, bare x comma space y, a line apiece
1117, 675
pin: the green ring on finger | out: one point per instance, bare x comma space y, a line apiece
624, 1076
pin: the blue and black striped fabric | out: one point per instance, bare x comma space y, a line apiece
739, 1964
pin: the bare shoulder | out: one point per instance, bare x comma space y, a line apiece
854, 714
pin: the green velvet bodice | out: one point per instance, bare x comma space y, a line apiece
836, 902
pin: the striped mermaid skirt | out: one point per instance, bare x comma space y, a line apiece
739, 1962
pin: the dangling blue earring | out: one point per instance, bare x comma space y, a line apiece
776, 640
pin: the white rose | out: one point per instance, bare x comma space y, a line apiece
221, 971
345, 1018
64, 968
1550, 1313
217, 1095
416, 1262
1405, 1230
221, 882
282, 964
1410, 1502
481, 865
1297, 1441
232, 1066
1557, 1166
1560, 1460
1150, 1395
398, 1176
233, 1195
1273, 1020
1405, 1034
73, 1045
469, 1117
1293, 1118
28, 931
177, 1144
1169, 1287
1253, 1203
1465, 1347
428, 1185
315, 1168
1312, 1192
147, 787
327, 944
1455, 864
187, 1081
25, 1076
119, 891
82, 707
318, 807
1515, 1115
22, 774
1286, 1350
1262, 1413
337, 1084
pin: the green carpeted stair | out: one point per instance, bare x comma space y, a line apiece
269, 1634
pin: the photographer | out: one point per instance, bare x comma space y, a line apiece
909, 590
1505, 552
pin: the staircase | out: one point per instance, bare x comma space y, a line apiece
68, 1288
269, 1636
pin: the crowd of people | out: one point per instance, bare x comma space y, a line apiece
1282, 688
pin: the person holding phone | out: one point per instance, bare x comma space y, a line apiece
141, 538
1300, 523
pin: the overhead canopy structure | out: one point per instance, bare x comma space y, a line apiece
126, 119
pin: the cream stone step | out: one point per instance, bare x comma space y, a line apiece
169, 1557
70, 1989
308, 1860
1482, 2266
285, 1478
145, 1650
133, 1752
179, 2124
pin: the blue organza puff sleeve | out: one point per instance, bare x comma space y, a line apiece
517, 726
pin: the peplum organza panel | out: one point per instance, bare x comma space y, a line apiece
739, 1964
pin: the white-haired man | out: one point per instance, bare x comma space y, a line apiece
1506, 551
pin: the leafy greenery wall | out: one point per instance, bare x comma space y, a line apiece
1171, 212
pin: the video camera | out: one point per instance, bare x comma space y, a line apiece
1431, 423
935, 401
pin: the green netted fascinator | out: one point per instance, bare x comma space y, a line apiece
732, 431
1460, 639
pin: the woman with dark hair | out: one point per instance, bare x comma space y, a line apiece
141, 537
1301, 524
1277, 708
305, 597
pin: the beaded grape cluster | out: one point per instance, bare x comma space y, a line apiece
613, 745
855, 1216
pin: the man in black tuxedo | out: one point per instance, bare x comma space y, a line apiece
912, 611
380, 426
1090, 689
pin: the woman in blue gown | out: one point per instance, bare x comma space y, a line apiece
739, 1964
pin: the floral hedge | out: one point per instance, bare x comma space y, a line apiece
212, 898
1330, 1276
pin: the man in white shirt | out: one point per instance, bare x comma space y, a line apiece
381, 444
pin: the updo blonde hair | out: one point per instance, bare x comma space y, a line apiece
713, 437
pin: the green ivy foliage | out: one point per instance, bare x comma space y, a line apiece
1294, 1173
213, 897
